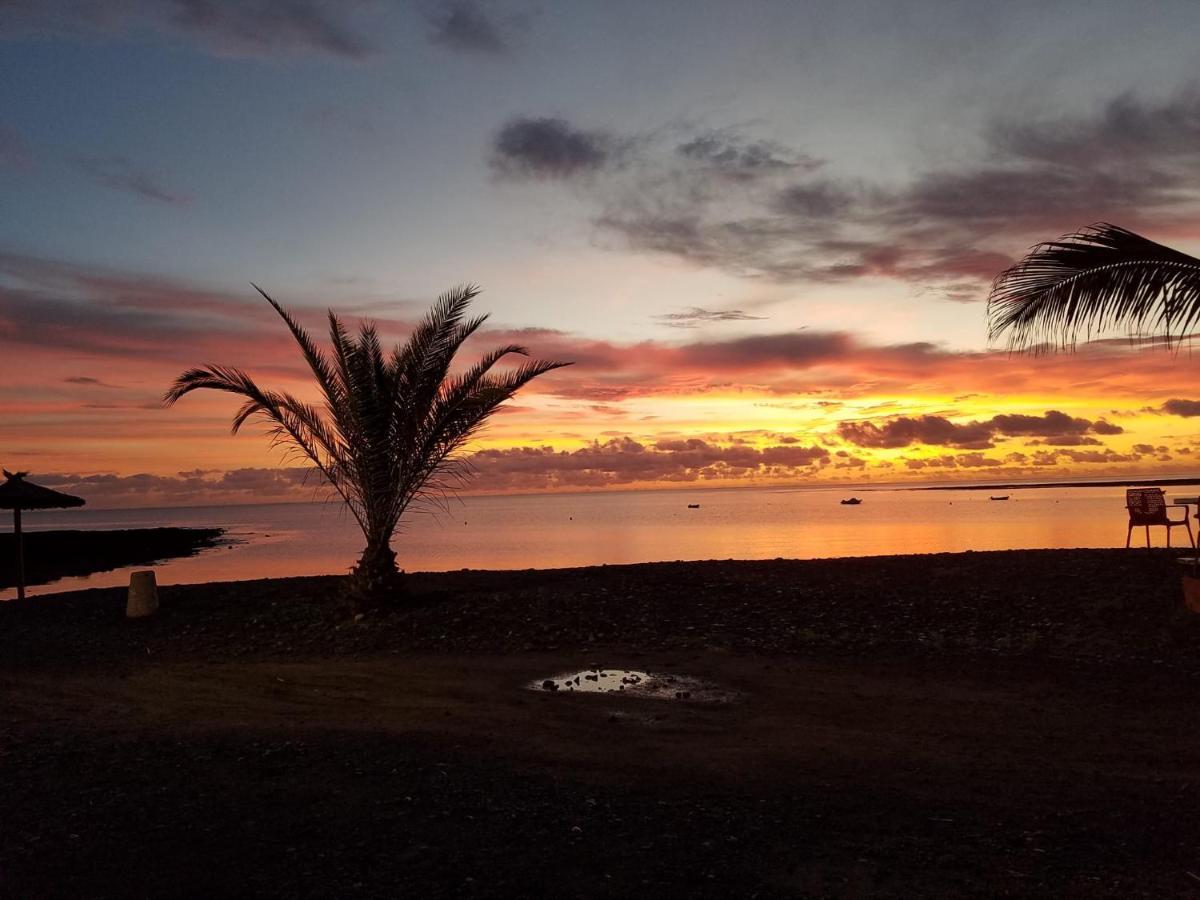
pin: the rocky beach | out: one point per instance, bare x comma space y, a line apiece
1010, 723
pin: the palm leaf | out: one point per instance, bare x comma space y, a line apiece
322, 371
1100, 278
455, 417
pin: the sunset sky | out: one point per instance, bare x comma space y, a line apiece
764, 232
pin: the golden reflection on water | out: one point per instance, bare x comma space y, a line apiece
542, 531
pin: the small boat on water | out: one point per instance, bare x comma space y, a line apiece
1005, 497
852, 501
693, 506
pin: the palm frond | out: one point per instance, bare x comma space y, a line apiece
214, 378
322, 371
1093, 280
454, 389
457, 417
442, 318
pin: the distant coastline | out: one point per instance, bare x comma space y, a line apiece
51, 555
1017, 485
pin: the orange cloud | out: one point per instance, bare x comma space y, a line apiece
87, 353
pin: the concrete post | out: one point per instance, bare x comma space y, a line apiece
143, 595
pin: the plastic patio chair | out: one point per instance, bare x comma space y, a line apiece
1148, 506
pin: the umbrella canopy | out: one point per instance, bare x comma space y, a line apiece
17, 494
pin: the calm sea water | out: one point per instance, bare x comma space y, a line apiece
539, 531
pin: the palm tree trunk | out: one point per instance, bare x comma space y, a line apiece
375, 581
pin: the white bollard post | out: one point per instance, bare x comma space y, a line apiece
143, 595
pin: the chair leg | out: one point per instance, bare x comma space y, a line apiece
1168, 537
1191, 539
1147, 537
1128, 536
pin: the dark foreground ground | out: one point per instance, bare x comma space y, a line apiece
50, 555
992, 724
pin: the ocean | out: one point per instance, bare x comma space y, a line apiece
555, 530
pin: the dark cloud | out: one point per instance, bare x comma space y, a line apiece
907, 430
1046, 176
848, 461
1053, 428
817, 200
790, 350
619, 460
1126, 131
33, 319
1066, 440
622, 460
735, 156
761, 247
977, 461
695, 315
1105, 427
1032, 196
834, 363
223, 27
949, 230
465, 26
121, 174
57, 306
87, 381
549, 148
950, 461
251, 485
1185, 408
1097, 456
1051, 424
857, 258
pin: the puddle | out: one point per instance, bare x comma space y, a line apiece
636, 683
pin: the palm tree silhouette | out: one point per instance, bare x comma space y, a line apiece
1101, 277
388, 431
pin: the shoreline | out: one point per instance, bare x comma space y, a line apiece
67, 553
474, 578
903, 603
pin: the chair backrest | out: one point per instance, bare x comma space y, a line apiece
1146, 505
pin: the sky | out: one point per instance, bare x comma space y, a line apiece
764, 232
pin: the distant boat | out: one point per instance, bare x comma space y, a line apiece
853, 501
1005, 497
693, 506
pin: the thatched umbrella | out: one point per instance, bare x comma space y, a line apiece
17, 494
